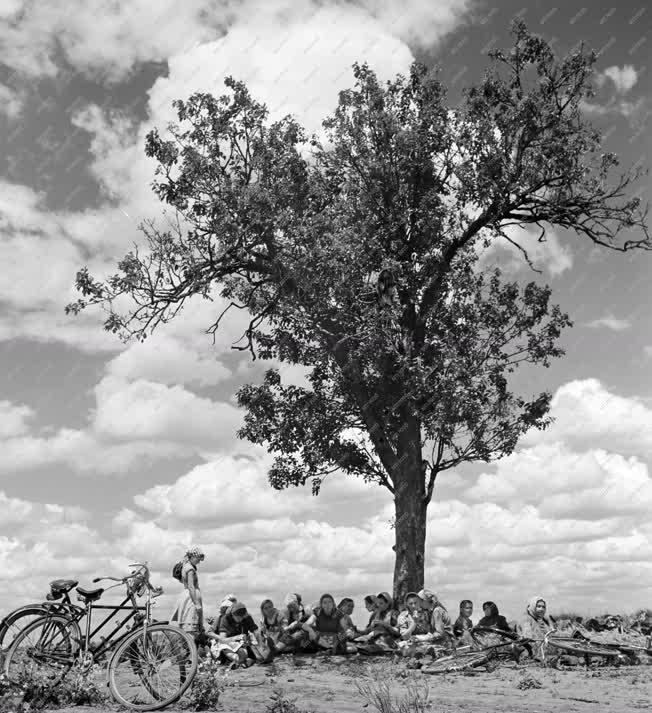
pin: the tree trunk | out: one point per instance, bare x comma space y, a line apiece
411, 508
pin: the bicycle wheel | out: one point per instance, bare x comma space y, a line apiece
43, 652
15, 622
152, 667
577, 646
461, 662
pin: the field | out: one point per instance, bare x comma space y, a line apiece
329, 686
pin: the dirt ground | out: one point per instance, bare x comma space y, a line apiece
330, 687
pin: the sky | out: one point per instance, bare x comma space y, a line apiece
114, 453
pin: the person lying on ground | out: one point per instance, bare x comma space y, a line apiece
382, 632
463, 623
442, 626
326, 629
535, 625
492, 618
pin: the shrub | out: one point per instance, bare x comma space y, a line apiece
207, 686
281, 704
528, 681
378, 694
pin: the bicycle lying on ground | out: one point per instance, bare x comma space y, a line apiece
150, 664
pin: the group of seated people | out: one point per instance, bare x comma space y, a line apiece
423, 626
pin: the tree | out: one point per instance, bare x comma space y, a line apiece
358, 259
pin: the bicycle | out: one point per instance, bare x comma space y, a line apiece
578, 645
18, 619
140, 656
468, 659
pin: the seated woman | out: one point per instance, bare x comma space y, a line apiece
463, 623
271, 622
535, 625
292, 636
327, 629
346, 607
232, 642
415, 627
442, 626
381, 635
492, 619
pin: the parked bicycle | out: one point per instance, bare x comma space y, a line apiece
150, 664
18, 619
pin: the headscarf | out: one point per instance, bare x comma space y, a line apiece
532, 605
388, 598
370, 599
227, 601
290, 599
237, 606
493, 614
431, 597
194, 552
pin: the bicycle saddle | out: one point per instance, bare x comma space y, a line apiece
90, 595
63, 585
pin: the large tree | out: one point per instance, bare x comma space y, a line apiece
357, 257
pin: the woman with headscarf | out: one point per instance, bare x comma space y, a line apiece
535, 625
292, 636
382, 632
492, 618
463, 623
270, 622
326, 628
415, 627
238, 639
188, 612
442, 626
346, 607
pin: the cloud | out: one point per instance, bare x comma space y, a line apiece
108, 40
609, 322
587, 413
13, 419
550, 254
166, 360
623, 78
11, 102
146, 410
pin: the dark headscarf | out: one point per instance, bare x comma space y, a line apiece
494, 619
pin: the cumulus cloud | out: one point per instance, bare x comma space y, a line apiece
108, 41
551, 254
11, 102
623, 78
14, 419
610, 322
586, 413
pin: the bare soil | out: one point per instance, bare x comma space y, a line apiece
329, 686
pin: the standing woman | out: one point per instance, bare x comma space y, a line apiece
189, 612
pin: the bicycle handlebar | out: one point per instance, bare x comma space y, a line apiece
141, 573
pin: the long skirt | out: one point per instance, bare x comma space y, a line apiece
185, 614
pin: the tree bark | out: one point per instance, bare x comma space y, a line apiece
410, 508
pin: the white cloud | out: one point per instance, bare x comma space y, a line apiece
13, 419
551, 255
610, 322
166, 360
623, 78
11, 102
146, 410
587, 413
109, 40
